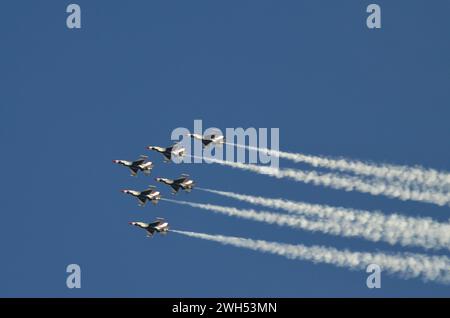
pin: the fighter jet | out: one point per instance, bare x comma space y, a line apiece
209, 139
147, 195
169, 152
159, 226
138, 165
181, 183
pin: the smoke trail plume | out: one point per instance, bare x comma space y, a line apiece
297, 222
374, 226
339, 227
340, 182
405, 265
417, 176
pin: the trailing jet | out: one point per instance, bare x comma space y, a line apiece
181, 183
159, 226
138, 165
169, 152
147, 195
209, 139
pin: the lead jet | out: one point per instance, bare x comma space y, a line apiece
149, 194
138, 165
159, 226
181, 183
168, 152
209, 139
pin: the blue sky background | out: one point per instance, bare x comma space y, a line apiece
73, 100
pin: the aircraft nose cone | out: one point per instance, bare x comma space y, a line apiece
123, 191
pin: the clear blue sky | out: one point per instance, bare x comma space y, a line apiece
73, 100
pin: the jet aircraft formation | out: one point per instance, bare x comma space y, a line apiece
142, 164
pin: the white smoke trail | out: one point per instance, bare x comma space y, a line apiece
374, 226
418, 176
405, 265
272, 218
340, 182
346, 228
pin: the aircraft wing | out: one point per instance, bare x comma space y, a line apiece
206, 142
175, 187
142, 201
168, 155
147, 192
134, 169
139, 162
180, 180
